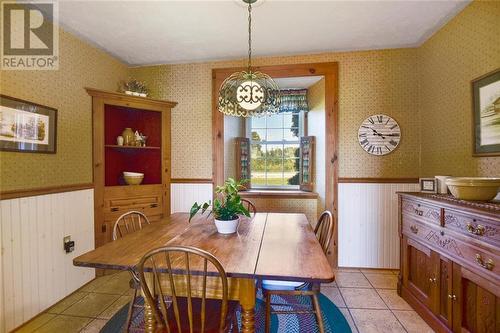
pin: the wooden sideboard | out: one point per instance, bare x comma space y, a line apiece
450, 261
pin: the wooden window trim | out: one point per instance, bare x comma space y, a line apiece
277, 194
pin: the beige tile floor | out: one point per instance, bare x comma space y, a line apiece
367, 298
370, 303
87, 309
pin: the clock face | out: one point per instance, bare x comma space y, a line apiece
379, 134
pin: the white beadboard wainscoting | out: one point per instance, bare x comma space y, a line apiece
183, 195
368, 224
35, 271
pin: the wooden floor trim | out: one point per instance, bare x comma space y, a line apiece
379, 180
191, 180
15, 194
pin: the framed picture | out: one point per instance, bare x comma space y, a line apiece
486, 114
26, 126
428, 185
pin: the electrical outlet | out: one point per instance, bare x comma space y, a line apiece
69, 245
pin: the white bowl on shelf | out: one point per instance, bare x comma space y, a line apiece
133, 178
133, 174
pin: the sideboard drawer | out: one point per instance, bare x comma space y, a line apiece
476, 227
445, 242
422, 211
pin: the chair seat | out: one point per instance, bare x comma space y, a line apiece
212, 315
281, 285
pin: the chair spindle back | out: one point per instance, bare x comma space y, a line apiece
129, 223
249, 206
174, 265
324, 230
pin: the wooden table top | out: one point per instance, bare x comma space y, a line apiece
271, 245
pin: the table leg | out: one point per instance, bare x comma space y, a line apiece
247, 302
149, 318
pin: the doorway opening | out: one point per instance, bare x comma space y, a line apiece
276, 169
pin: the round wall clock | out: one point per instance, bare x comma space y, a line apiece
379, 134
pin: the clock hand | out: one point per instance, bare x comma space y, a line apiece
377, 133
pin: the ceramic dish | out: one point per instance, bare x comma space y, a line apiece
133, 178
474, 188
133, 174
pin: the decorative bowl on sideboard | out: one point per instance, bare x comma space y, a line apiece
474, 188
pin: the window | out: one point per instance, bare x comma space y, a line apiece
275, 143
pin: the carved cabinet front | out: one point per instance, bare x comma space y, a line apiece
449, 263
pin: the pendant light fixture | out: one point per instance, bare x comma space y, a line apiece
249, 93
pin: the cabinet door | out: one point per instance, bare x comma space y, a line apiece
418, 270
441, 288
476, 302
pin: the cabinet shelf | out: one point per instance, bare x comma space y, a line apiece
111, 114
131, 147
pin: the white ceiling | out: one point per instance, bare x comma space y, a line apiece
302, 82
157, 32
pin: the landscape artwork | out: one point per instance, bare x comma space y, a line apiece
486, 94
26, 127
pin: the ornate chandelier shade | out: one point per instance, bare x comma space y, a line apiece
249, 93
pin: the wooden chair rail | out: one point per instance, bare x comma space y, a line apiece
23, 193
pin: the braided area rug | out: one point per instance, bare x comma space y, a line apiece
333, 319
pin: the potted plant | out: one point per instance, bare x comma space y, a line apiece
226, 209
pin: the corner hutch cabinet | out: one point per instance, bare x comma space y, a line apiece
450, 261
112, 112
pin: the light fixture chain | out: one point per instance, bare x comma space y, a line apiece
248, 93
249, 36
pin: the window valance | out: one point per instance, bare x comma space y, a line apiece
293, 100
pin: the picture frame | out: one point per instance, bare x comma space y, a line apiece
486, 114
428, 185
27, 127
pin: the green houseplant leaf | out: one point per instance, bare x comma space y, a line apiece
227, 206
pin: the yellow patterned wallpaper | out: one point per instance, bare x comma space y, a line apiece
466, 48
429, 86
371, 82
80, 66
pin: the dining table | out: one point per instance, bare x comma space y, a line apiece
276, 246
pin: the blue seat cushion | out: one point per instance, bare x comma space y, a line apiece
280, 285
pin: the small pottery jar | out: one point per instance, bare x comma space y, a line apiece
119, 140
128, 137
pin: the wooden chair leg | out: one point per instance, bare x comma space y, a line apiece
317, 311
268, 311
131, 310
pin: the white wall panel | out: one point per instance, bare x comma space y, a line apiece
182, 196
368, 224
35, 271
